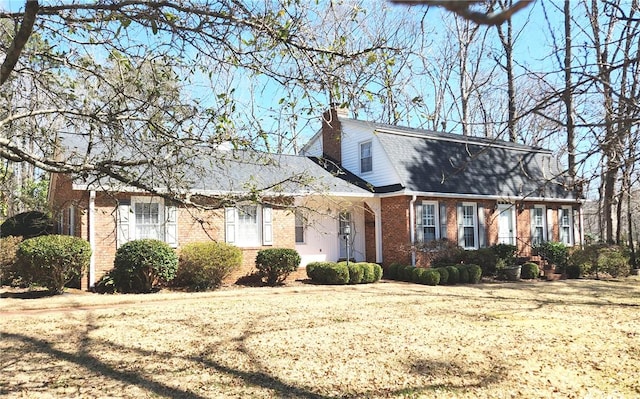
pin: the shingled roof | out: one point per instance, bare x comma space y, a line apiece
445, 163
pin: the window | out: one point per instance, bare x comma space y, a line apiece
300, 227
366, 159
147, 221
538, 225
147, 217
427, 221
249, 225
565, 225
469, 226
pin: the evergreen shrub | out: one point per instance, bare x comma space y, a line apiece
529, 271
141, 266
454, 275
276, 264
53, 261
204, 265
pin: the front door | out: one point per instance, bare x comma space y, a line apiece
506, 224
345, 235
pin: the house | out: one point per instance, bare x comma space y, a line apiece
358, 190
248, 199
431, 185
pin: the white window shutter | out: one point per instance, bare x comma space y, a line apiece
443, 220
550, 236
123, 222
171, 225
482, 229
419, 225
267, 226
460, 226
230, 225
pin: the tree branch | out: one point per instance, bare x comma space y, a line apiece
461, 8
13, 54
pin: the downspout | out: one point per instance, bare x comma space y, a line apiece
378, 218
412, 229
92, 238
581, 214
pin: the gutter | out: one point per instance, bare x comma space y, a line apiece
412, 228
92, 238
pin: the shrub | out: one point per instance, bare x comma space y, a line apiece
142, 265
574, 271
556, 253
329, 272
430, 277
393, 271
416, 274
485, 257
372, 272
529, 271
204, 265
440, 252
356, 272
53, 260
444, 275
28, 225
454, 275
276, 264
8, 271
506, 252
106, 284
406, 273
612, 261
475, 273
463, 274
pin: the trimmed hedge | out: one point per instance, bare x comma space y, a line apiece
140, 266
454, 275
53, 261
393, 271
340, 273
444, 275
429, 277
475, 273
204, 265
276, 264
529, 271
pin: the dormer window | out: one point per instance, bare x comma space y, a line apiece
366, 159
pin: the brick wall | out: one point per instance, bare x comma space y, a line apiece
396, 240
331, 136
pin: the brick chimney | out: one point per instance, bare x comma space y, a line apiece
332, 133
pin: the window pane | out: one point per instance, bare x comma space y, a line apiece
148, 224
366, 164
248, 231
469, 238
299, 227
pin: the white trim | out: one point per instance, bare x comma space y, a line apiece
436, 214
492, 144
360, 145
461, 225
471, 197
571, 227
545, 230
412, 228
92, 238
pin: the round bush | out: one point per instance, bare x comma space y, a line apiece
417, 273
393, 271
28, 225
372, 272
454, 275
475, 273
529, 271
463, 272
276, 264
142, 265
444, 275
204, 265
356, 272
328, 272
53, 260
574, 271
430, 277
406, 273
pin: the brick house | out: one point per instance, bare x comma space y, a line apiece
430, 185
108, 214
357, 190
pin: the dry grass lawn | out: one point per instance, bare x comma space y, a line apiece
568, 339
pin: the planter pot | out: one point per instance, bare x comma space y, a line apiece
512, 273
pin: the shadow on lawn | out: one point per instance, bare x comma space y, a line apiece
258, 377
